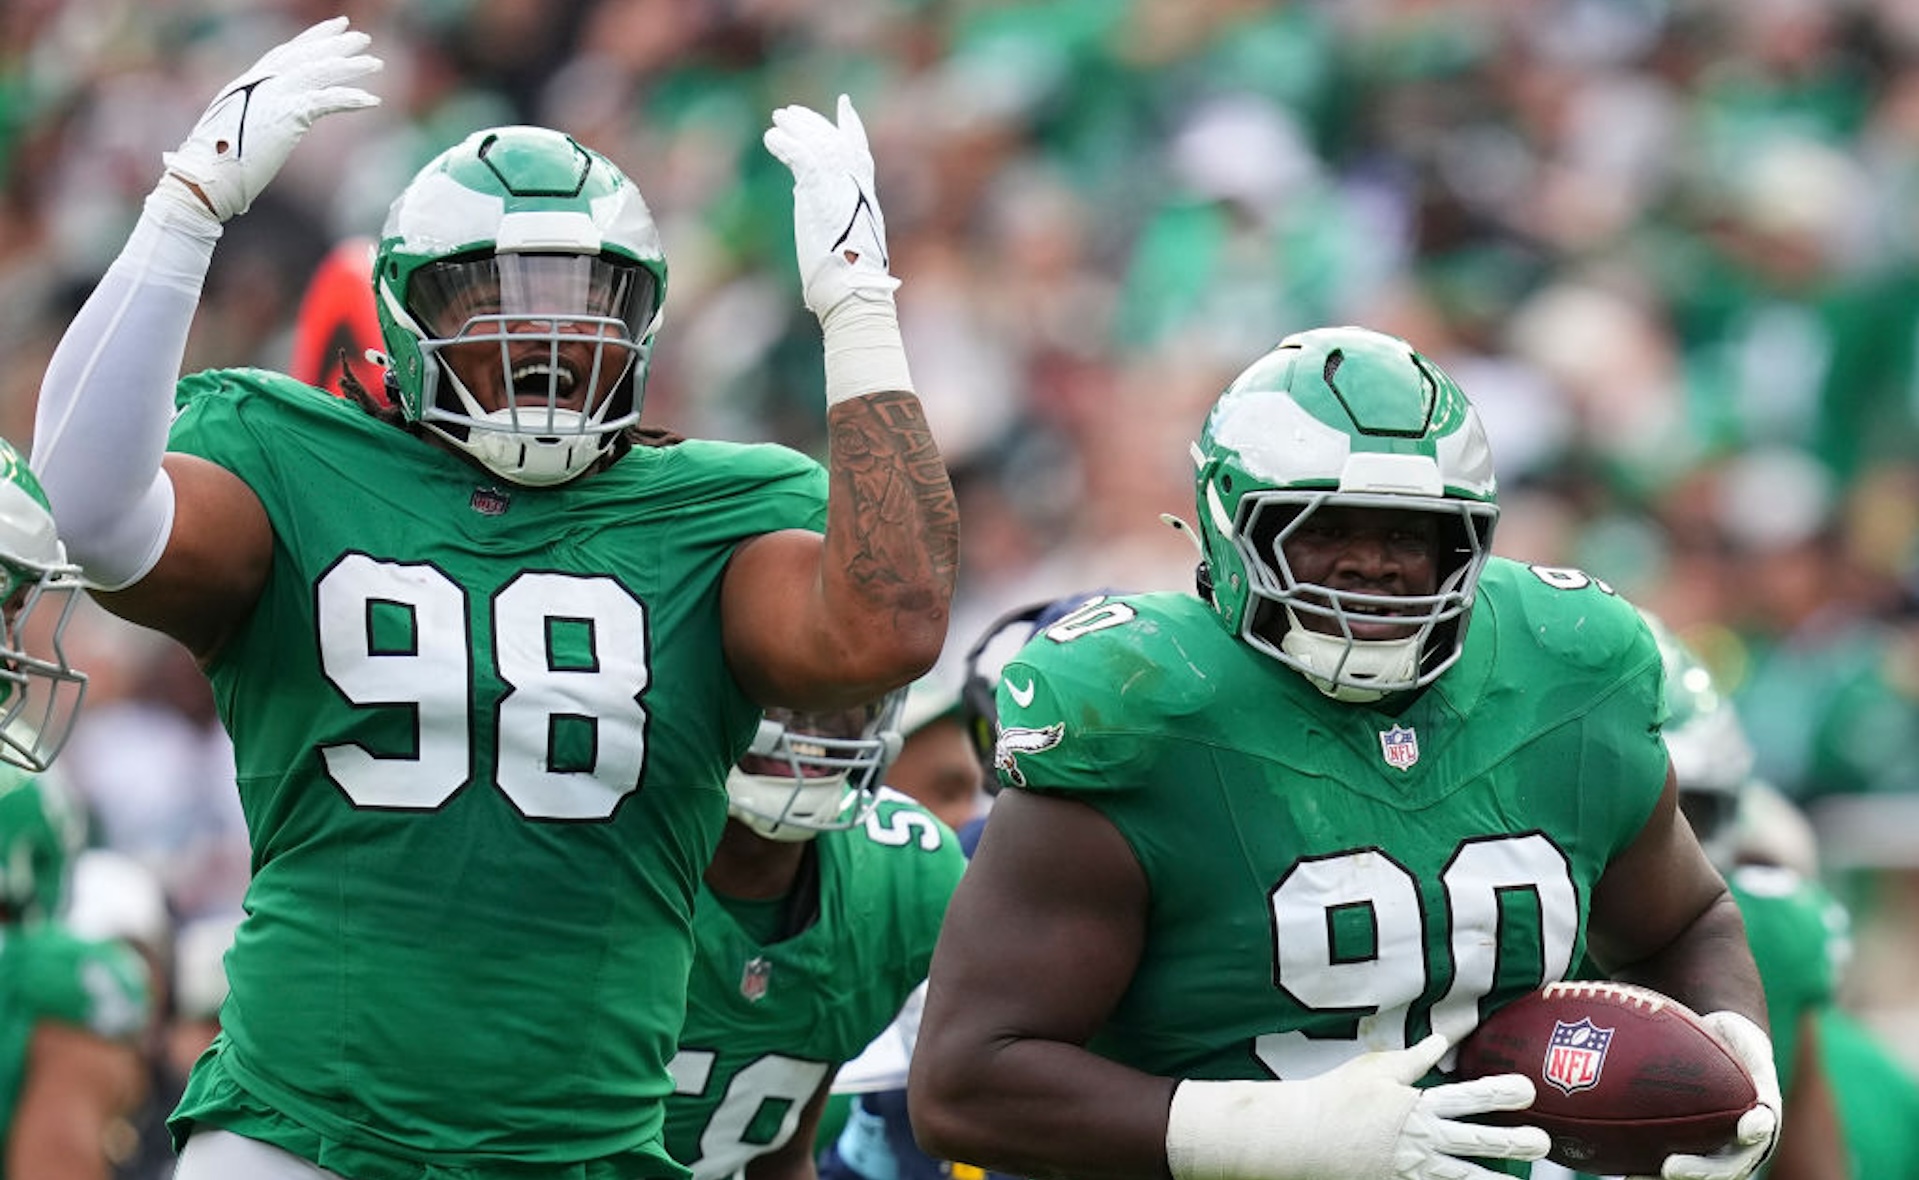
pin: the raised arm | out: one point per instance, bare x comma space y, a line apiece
827, 623
186, 545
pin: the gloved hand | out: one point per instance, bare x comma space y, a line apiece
839, 232
1362, 1121
247, 132
1758, 1131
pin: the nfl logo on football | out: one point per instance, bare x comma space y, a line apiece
1575, 1053
1400, 746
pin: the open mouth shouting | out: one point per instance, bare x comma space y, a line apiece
539, 383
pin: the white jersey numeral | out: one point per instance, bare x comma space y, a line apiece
736, 1133
361, 602
1380, 991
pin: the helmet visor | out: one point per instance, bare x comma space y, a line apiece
446, 296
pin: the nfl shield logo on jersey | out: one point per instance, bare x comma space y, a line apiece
754, 978
489, 501
1400, 745
1575, 1053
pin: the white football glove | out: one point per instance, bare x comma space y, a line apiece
1362, 1121
248, 131
839, 232
1758, 1131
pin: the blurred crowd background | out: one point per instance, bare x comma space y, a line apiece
1669, 247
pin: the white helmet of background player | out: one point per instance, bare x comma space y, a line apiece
808, 773
1711, 758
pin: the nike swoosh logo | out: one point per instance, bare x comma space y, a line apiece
1023, 697
861, 236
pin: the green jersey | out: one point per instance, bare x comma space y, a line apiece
767, 1023
1789, 931
1878, 1098
482, 734
50, 974
1328, 878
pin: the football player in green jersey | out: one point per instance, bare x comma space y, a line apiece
1850, 1104
72, 1009
1266, 852
1786, 916
815, 921
485, 660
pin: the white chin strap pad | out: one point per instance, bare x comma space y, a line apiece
1392, 661
537, 460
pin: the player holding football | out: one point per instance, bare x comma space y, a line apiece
1266, 852
486, 660
815, 921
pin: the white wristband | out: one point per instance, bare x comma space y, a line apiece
172, 243
1270, 1131
864, 353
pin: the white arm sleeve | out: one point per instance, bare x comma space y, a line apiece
107, 398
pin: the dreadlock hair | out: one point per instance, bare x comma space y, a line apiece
353, 391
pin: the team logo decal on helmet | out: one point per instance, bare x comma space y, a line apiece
1347, 418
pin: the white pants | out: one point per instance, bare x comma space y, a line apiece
213, 1154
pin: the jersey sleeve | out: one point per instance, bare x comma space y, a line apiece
920, 860
234, 417
1790, 929
762, 486
1075, 711
1589, 666
98, 986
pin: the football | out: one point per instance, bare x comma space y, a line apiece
1624, 1076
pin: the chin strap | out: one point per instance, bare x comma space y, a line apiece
1320, 656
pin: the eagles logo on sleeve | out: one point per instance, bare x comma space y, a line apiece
1014, 741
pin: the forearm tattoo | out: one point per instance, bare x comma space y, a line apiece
902, 549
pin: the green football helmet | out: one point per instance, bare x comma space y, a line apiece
808, 773
521, 241
40, 689
42, 829
1352, 418
1711, 756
